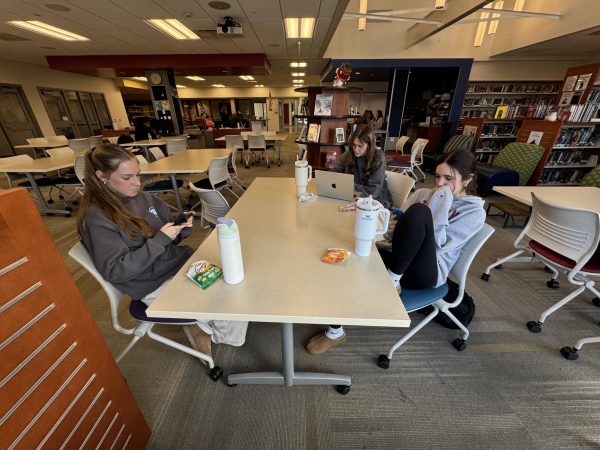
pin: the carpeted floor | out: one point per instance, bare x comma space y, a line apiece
510, 389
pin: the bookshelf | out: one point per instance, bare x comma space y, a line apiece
579, 96
491, 136
323, 153
524, 99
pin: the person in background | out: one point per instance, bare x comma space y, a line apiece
378, 122
143, 129
427, 238
208, 123
367, 117
367, 163
133, 242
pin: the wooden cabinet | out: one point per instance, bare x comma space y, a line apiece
324, 152
59, 384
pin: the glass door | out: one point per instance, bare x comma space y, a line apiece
77, 114
16, 119
58, 113
102, 110
91, 115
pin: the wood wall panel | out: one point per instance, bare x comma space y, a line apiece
59, 385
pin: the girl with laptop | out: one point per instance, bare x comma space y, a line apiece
432, 228
134, 243
367, 163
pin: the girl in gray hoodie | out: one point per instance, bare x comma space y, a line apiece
426, 241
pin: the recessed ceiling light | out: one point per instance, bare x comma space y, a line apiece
57, 7
298, 74
180, 86
297, 85
259, 85
299, 27
47, 30
297, 81
195, 78
298, 64
219, 5
172, 28
356, 73
247, 77
218, 85
140, 78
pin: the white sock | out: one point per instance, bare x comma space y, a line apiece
394, 277
334, 333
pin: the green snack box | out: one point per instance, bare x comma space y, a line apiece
204, 273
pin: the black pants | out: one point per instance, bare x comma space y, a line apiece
413, 250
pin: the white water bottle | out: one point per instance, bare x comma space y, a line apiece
365, 224
149, 137
231, 250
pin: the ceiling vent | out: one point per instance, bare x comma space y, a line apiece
12, 37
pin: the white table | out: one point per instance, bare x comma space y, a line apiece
583, 197
277, 139
42, 165
285, 281
44, 146
185, 162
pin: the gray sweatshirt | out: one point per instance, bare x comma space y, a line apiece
376, 185
135, 266
455, 221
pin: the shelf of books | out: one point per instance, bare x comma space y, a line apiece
579, 99
491, 136
325, 133
509, 99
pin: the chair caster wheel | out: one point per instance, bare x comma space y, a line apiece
247, 167
553, 284
68, 215
569, 353
485, 276
459, 344
596, 301
50, 201
383, 361
547, 269
75, 203
499, 267
534, 327
231, 385
68, 208
61, 197
342, 389
215, 373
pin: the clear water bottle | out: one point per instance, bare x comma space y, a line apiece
149, 137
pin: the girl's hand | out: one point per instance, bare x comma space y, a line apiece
172, 230
190, 220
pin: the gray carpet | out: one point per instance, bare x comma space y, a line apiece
510, 389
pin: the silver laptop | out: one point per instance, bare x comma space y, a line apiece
335, 185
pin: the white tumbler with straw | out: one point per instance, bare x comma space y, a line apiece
231, 250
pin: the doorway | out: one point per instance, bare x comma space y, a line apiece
58, 113
17, 122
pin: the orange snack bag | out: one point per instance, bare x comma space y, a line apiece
335, 255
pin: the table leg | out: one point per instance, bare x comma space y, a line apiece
288, 376
173, 178
279, 153
44, 209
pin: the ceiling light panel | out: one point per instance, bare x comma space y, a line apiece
218, 85
296, 64
298, 81
298, 74
299, 27
140, 78
172, 28
47, 30
195, 78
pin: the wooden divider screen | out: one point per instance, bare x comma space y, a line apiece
59, 385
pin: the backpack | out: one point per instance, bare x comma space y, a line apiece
464, 312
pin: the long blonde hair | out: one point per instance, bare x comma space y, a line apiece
107, 158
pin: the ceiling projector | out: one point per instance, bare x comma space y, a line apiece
230, 26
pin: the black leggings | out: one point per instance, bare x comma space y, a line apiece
413, 249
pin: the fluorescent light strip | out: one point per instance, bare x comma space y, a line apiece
297, 81
299, 27
298, 64
218, 85
180, 86
481, 30
247, 77
195, 78
439, 4
298, 74
259, 85
494, 23
47, 30
519, 4
140, 78
362, 21
172, 28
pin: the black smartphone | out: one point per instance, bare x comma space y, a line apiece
181, 218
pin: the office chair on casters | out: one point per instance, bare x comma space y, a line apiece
565, 239
213, 205
138, 310
413, 162
414, 300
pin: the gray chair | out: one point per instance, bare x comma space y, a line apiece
213, 205
456, 142
137, 310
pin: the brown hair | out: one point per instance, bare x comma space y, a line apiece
363, 133
461, 161
107, 158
